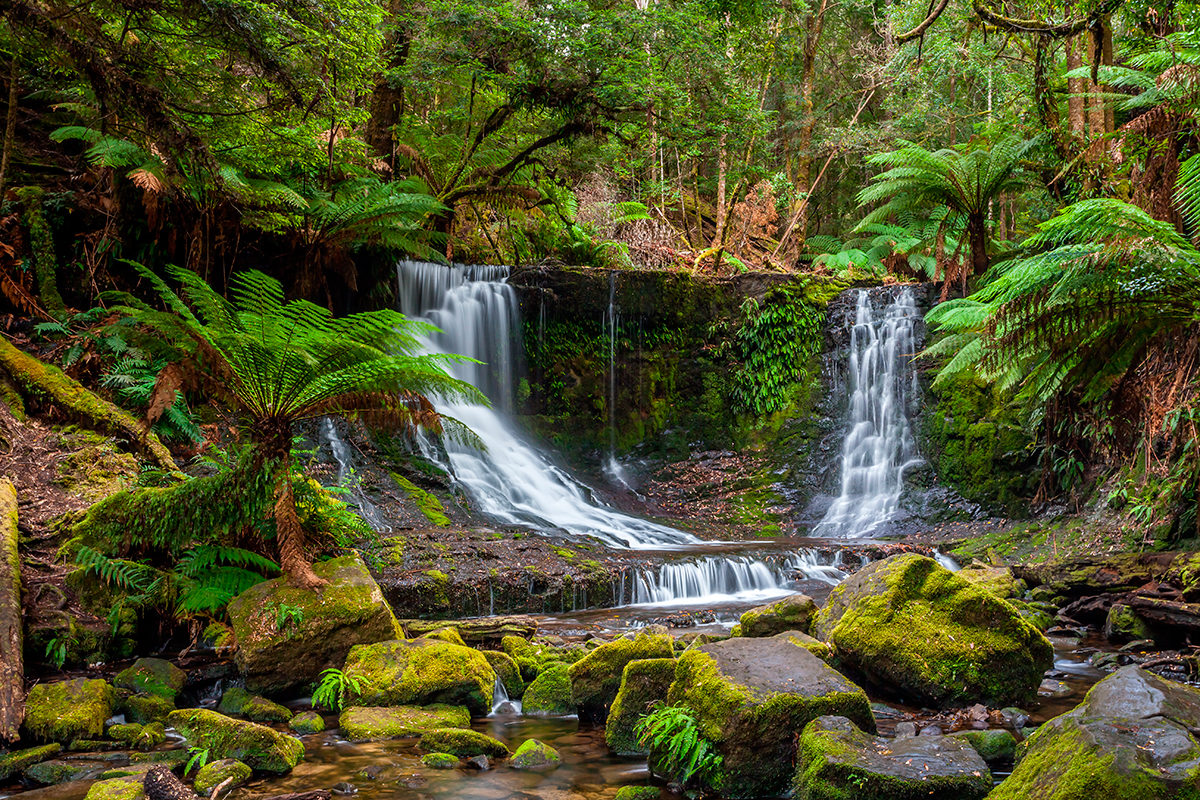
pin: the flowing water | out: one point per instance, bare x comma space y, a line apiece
348, 479
879, 444
509, 480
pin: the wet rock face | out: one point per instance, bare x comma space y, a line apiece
794, 613
1133, 737
751, 698
596, 677
837, 760
278, 651
421, 672
921, 633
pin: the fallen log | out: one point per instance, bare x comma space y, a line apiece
1166, 612
12, 675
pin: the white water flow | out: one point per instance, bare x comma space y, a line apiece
879, 443
737, 579
502, 704
509, 480
613, 468
348, 479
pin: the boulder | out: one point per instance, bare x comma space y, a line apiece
260, 709
751, 698
257, 745
463, 743
445, 635
233, 700
508, 671
422, 672
56, 771
276, 653
142, 737
18, 761
1122, 624
440, 760
1133, 737
836, 760
550, 693
995, 746
535, 756
643, 683
152, 676
918, 631
475, 632
215, 773
596, 677
363, 724
127, 788
69, 710
999, 581
307, 722
792, 613
145, 708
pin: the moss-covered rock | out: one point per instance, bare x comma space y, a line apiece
462, 742
365, 724
18, 761
995, 746
638, 793
793, 613
445, 635
1123, 625
145, 708
153, 676
127, 788
837, 761
481, 632
1000, 581
142, 737
751, 698
1133, 737
535, 756
215, 773
281, 649
259, 746
643, 683
508, 671
596, 677
260, 709
307, 722
69, 710
920, 632
234, 699
56, 771
440, 760
550, 692
421, 672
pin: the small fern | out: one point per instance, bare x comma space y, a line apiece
335, 688
672, 732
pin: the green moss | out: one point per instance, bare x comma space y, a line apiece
550, 692
260, 709
535, 756
420, 672
440, 760
994, 746
638, 793
259, 746
997, 580
18, 761
50, 773
234, 699
128, 788
446, 635
792, 613
596, 677
145, 708
462, 742
364, 724
41, 246
152, 676
69, 710
508, 670
426, 503
643, 683
143, 737
307, 723
215, 773
437, 583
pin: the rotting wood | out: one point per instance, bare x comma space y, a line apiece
12, 688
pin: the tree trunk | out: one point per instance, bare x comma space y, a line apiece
808, 120
289, 534
387, 100
1076, 113
10, 125
722, 177
977, 235
12, 674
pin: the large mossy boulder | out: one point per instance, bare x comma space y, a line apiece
792, 613
507, 670
643, 683
596, 677
277, 651
1133, 737
68, 710
261, 747
837, 761
422, 672
18, 761
152, 676
921, 633
463, 743
366, 724
550, 693
751, 698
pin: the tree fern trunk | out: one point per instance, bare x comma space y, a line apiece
289, 535
977, 235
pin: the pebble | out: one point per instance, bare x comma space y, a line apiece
480, 763
344, 788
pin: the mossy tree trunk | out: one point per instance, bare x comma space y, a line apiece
12, 688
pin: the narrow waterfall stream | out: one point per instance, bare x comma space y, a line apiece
733, 579
509, 480
879, 444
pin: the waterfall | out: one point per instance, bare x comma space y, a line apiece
879, 444
501, 702
613, 469
347, 478
509, 480
719, 579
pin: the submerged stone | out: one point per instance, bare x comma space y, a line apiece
278, 651
261, 747
792, 613
307, 722
535, 756
917, 630
215, 773
643, 683
440, 760
462, 742
751, 698
596, 677
152, 676
422, 672
550, 693
836, 760
1133, 737
69, 710
365, 724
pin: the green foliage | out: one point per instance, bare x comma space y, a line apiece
335, 688
197, 758
287, 615
777, 337
671, 734
56, 651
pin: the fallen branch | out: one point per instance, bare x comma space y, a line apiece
12, 677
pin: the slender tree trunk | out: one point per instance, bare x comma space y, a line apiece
1076, 112
387, 100
289, 534
804, 158
12, 674
10, 125
722, 177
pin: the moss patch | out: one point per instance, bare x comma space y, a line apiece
792, 613
19, 760
152, 676
306, 723
215, 773
421, 672
462, 742
643, 683
426, 503
550, 693
257, 745
509, 672
535, 756
127, 788
69, 710
596, 677
365, 724
440, 760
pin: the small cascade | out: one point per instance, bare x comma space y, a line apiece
722, 579
946, 561
347, 478
879, 443
509, 480
502, 704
